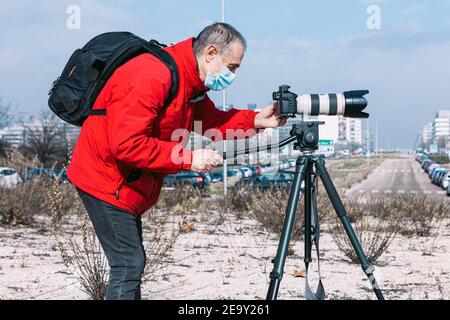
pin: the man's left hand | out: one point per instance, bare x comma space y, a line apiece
269, 118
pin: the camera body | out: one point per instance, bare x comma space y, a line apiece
287, 102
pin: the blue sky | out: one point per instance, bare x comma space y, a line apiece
314, 45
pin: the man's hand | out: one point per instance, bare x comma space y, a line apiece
204, 161
269, 118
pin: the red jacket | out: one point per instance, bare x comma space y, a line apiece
137, 131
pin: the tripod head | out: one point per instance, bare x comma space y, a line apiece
307, 136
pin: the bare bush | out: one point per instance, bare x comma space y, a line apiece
82, 253
21, 163
4, 148
160, 234
376, 225
21, 204
269, 208
182, 199
421, 214
238, 201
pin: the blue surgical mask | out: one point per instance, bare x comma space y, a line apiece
221, 81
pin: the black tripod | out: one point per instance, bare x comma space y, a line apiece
305, 136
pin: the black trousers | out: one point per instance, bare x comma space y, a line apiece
120, 234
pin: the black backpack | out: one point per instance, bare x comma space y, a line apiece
74, 93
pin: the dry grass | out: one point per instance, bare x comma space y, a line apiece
350, 172
421, 214
20, 205
379, 220
82, 253
376, 224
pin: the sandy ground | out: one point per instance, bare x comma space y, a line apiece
232, 261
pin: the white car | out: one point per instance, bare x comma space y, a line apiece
446, 181
247, 172
9, 178
292, 163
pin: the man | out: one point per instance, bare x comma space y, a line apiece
120, 160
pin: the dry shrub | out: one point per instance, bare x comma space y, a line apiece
421, 214
160, 234
82, 253
376, 224
238, 200
182, 199
20, 205
269, 208
21, 163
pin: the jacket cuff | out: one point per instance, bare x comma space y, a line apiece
187, 160
251, 120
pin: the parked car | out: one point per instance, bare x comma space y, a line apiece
9, 178
444, 181
425, 163
218, 175
246, 172
265, 168
437, 176
448, 190
195, 179
430, 165
422, 158
434, 172
256, 171
281, 179
235, 173
40, 173
292, 163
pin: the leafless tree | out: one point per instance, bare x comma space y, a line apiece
5, 113
5, 117
4, 147
46, 140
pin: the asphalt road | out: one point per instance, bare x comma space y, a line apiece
398, 176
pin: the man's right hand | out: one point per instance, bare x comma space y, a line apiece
204, 161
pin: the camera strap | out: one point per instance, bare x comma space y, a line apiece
315, 237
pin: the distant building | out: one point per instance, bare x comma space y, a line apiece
350, 130
426, 133
18, 134
441, 127
14, 135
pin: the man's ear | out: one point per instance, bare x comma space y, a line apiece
211, 53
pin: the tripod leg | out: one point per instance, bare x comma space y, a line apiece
308, 216
277, 274
342, 214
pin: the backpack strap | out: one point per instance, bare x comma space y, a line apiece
98, 112
155, 48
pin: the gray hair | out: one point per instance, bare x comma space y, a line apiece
220, 35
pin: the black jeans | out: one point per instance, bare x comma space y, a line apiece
120, 234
